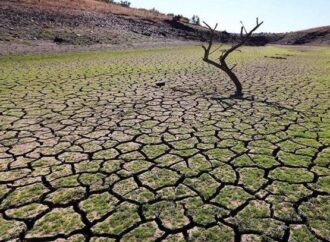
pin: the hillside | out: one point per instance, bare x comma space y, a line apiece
314, 36
26, 25
89, 22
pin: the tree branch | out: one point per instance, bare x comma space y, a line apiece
244, 39
209, 47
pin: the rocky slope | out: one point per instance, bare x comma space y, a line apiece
315, 36
92, 23
29, 20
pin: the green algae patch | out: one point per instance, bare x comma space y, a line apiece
10, 229
292, 175
58, 221
124, 217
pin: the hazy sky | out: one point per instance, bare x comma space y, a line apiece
278, 15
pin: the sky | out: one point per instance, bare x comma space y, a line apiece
278, 15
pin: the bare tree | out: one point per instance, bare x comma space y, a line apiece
243, 38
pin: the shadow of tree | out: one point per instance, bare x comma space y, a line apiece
236, 100
233, 101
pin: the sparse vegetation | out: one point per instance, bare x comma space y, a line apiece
126, 4
165, 160
195, 20
147, 144
154, 10
108, 1
180, 18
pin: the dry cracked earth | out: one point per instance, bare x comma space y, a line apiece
91, 149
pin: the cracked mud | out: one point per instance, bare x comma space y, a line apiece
91, 149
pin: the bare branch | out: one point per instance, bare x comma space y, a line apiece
216, 49
233, 67
209, 47
243, 40
244, 27
209, 27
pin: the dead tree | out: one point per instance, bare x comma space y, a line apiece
243, 38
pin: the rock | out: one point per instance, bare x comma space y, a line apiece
160, 84
58, 40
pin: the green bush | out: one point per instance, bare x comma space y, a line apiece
195, 20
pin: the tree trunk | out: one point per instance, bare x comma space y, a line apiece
234, 78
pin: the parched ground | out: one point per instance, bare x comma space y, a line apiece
91, 149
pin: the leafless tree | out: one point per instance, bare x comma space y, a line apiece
243, 38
